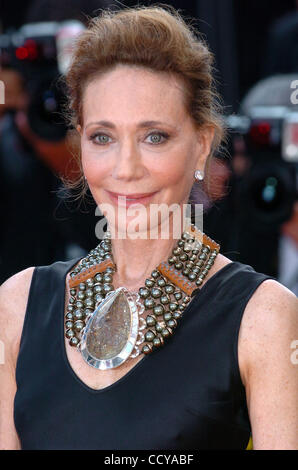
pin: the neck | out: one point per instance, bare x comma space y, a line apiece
136, 259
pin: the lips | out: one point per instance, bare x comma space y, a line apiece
128, 199
131, 196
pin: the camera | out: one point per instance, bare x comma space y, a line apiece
267, 190
41, 53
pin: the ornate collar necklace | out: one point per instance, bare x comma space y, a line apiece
110, 325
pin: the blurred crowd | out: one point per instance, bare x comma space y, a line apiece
251, 205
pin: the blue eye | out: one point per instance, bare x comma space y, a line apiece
94, 139
158, 134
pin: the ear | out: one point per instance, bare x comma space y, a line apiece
205, 138
79, 129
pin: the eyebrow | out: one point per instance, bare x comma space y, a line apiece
109, 124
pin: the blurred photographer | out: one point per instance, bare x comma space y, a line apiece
265, 174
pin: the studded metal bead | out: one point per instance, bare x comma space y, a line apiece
156, 292
149, 283
98, 277
73, 292
187, 248
161, 282
79, 304
171, 260
200, 263
177, 315
74, 341
144, 292
158, 309
155, 274
150, 320
185, 272
183, 257
189, 265
107, 288
149, 335
89, 293
172, 323
180, 243
177, 251
199, 281
78, 314
173, 306
149, 303
167, 316
164, 299
169, 289
157, 342
69, 333
71, 300
70, 307
89, 282
178, 265
107, 278
192, 258
99, 298
81, 295
98, 289
82, 286
195, 252
88, 311
147, 349
79, 325
110, 270
69, 316
89, 303
178, 295
165, 332
192, 276
158, 327
68, 324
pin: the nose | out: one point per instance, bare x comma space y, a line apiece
128, 162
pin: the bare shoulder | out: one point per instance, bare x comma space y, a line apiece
270, 321
268, 365
14, 294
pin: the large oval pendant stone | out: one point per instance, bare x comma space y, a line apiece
111, 331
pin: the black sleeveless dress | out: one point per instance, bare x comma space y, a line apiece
185, 395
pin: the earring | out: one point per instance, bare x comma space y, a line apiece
199, 175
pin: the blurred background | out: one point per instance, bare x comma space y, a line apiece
250, 206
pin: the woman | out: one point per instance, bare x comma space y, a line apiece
203, 358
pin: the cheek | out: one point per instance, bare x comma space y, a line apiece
95, 166
176, 173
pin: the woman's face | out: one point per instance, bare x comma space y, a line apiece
138, 141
